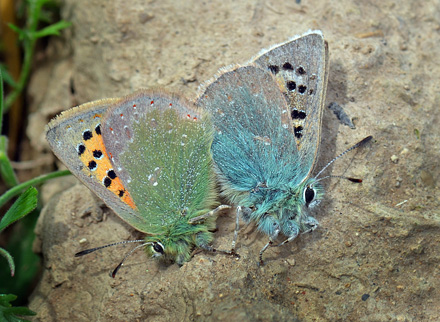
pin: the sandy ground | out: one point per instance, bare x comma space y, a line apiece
375, 256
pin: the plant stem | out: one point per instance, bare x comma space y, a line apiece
35, 181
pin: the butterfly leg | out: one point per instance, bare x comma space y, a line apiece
292, 231
245, 213
311, 224
288, 240
237, 227
204, 245
211, 249
270, 243
213, 212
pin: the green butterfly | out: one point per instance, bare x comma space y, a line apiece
147, 156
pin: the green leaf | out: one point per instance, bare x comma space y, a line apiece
7, 298
9, 313
7, 77
21, 207
15, 28
10, 260
28, 35
4, 198
52, 30
27, 264
21, 33
2, 98
6, 171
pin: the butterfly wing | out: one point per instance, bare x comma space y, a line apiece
160, 146
75, 137
253, 143
300, 66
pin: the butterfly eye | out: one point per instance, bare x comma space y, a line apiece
158, 248
309, 195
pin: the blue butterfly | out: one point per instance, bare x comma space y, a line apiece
267, 119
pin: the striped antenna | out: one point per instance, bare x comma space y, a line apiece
357, 145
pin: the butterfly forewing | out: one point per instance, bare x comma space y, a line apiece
301, 71
76, 138
159, 145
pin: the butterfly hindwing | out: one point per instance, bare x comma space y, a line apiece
300, 66
76, 138
159, 145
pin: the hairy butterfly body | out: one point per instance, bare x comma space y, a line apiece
267, 121
147, 156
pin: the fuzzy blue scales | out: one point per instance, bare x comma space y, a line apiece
255, 153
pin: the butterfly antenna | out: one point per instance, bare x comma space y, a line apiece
357, 145
91, 250
122, 261
355, 180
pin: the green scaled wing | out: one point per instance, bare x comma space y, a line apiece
160, 147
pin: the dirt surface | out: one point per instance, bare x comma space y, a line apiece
375, 256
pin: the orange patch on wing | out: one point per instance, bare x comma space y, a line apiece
95, 146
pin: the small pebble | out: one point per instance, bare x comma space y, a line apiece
291, 261
404, 151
